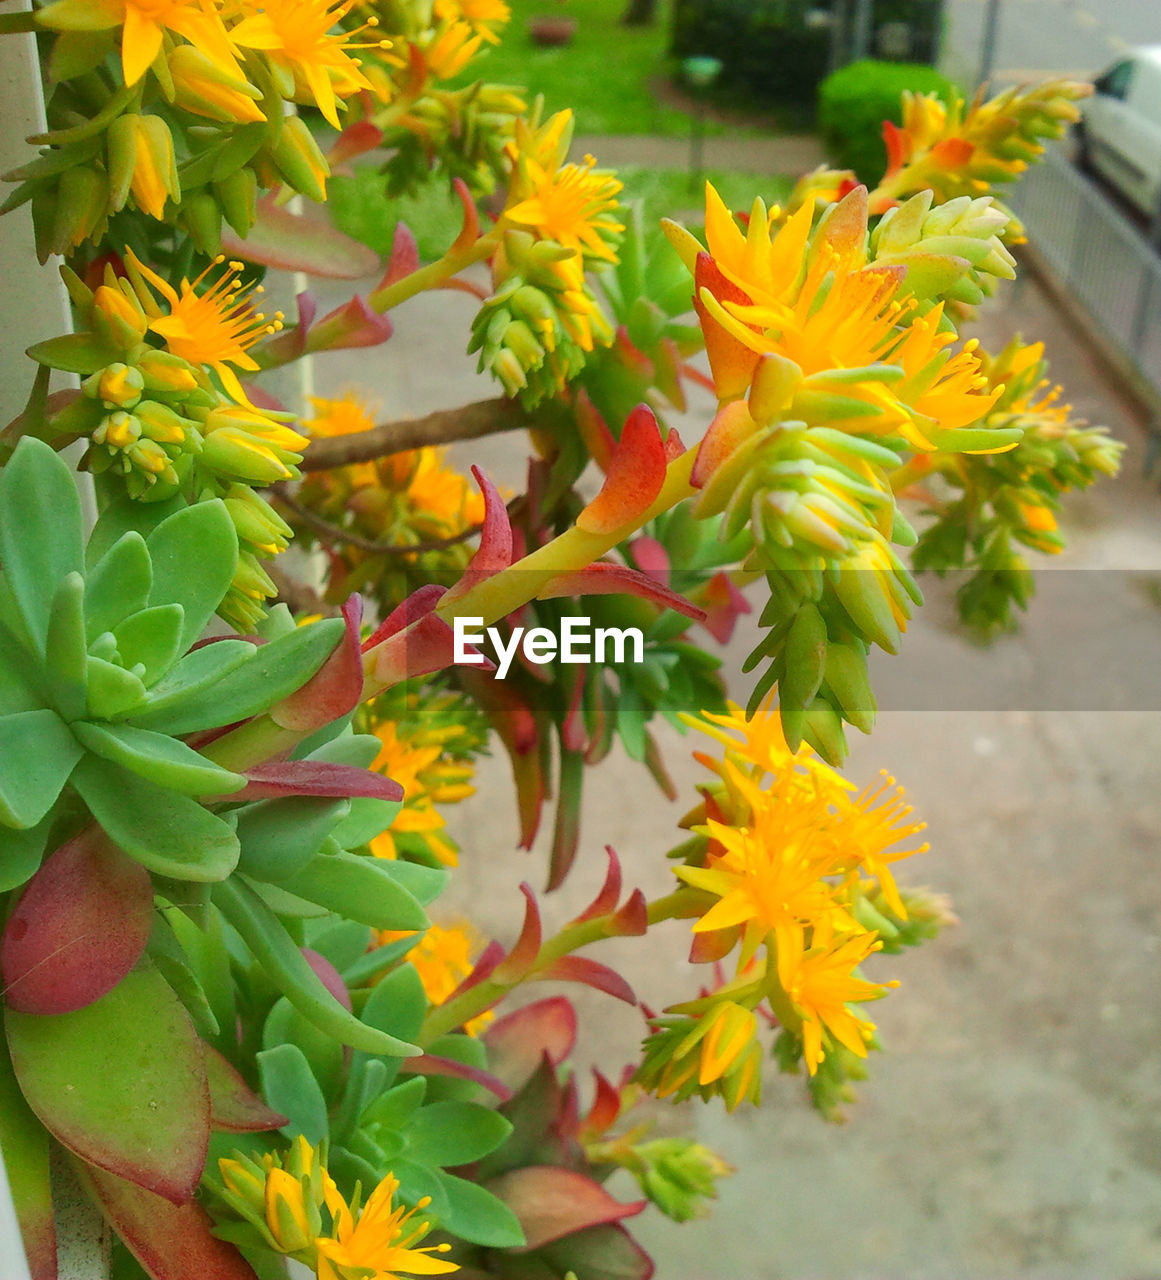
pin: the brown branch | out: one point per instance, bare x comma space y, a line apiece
336, 535
484, 418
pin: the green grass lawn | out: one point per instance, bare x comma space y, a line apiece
603, 75
361, 209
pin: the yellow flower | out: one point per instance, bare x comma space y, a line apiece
483, 15
378, 1244
214, 327
443, 959
567, 203
144, 24
452, 47
821, 983
870, 825
312, 60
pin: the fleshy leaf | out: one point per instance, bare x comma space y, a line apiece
317, 778
39, 754
172, 1242
601, 578
551, 1202
24, 1144
590, 973
40, 530
118, 584
234, 1106
121, 1083
731, 362
160, 758
527, 946
194, 554
635, 475
337, 686
518, 1042
282, 239
167, 832
356, 886
79, 927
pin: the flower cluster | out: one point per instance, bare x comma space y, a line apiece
297, 1209
541, 320
427, 742
960, 149
388, 524
788, 862
443, 956
154, 418
985, 505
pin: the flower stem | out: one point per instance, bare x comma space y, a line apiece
462, 1008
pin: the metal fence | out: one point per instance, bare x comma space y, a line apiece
1098, 254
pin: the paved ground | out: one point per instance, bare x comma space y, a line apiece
1011, 1126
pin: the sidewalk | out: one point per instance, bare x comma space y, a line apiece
1010, 1128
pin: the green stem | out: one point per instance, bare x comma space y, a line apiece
128, 94
435, 273
446, 1017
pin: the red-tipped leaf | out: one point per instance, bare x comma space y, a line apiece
335, 688
552, 1203
589, 973
79, 927
316, 778
635, 476
234, 1107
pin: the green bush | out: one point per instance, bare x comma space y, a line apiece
768, 49
854, 102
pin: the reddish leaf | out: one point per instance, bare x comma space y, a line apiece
121, 1083
316, 778
610, 892
329, 976
655, 763
566, 830
404, 256
290, 242
518, 1042
24, 1144
335, 688
428, 1064
172, 1242
635, 476
730, 428
896, 143
651, 558
486, 962
417, 605
674, 445
234, 1107
603, 579
606, 1106
589, 973
724, 603
355, 140
552, 1202
632, 919
572, 727
600, 1253
845, 228
495, 550
355, 323
594, 430
79, 927
731, 362
470, 231
518, 961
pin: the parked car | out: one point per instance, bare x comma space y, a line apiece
1119, 136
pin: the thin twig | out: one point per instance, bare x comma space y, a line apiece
484, 418
334, 534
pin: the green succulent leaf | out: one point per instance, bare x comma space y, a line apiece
64, 648
124, 515
425, 884
16, 692
475, 1214
111, 691
41, 541
368, 818
286, 966
153, 637
356, 887
39, 755
289, 1086
398, 1004
326, 1057
121, 1083
173, 965
20, 853
453, 1133
394, 1108
280, 837
74, 353
198, 671
194, 553
118, 585
167, 761
273, 671
165, 831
